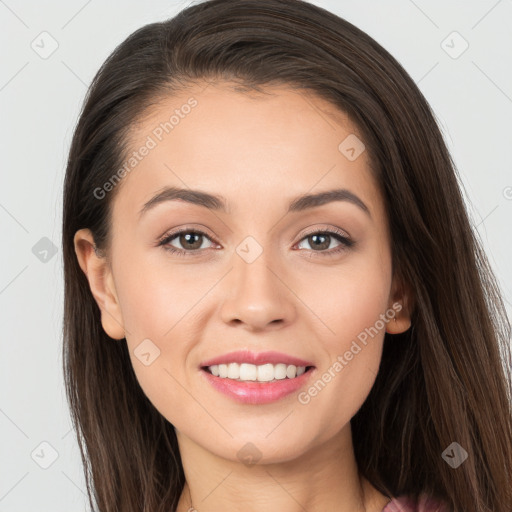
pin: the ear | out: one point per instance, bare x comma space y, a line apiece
101, 282
401, 302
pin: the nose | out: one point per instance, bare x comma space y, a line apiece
256, 296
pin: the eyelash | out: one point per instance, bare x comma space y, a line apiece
346, 242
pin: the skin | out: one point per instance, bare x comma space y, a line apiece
259, 152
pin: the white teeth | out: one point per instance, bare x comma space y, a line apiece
279, 371
265, 373
248, 372
261, 373
291, 371
233, 371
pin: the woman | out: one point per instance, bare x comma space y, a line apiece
273, 295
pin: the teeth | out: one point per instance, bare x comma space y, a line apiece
251, 372
246, 371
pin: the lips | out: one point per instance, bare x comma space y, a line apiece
257, 393
256, 358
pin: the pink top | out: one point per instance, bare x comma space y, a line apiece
407, 504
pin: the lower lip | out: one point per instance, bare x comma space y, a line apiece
257, 392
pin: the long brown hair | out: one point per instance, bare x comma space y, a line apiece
447, 379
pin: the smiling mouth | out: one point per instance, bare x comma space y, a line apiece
246, 372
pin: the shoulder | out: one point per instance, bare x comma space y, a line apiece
424, 503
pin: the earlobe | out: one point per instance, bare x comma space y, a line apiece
402, 303
101, 283
400, 323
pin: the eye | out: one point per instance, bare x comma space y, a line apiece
321, 240
190, 240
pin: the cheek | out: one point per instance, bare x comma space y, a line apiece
158, 303
344, 381
156, 298
348, 299
353, 309
361, 324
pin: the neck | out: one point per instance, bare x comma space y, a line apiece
325, 477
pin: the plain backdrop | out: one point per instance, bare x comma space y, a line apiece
51, 52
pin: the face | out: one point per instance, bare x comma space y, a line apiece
254, 269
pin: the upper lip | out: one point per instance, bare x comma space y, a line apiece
256, 358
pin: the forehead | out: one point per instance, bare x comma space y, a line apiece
246, 146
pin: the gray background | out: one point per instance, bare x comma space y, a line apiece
40, 100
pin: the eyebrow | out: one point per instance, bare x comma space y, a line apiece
219, 203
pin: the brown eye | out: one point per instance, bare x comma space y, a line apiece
185, 241
190, 240
320, 241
